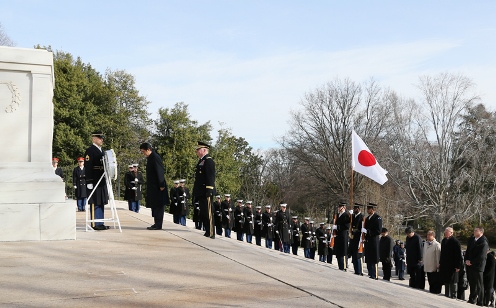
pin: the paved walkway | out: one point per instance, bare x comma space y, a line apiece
179, 267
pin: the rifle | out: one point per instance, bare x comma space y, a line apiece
362, 239
331, 244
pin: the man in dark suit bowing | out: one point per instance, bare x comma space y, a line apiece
204, 187
156, 188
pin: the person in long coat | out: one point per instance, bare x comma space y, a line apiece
156, 186
204, 187
283, 227
414, 251
356, 226
431, 256
133, 180
79, 182
248, 226
488, 279
372, 230
313, 240
239, 220
450, 263
386, 244
173, 202
183, 196
295, 243
227, 215
196, 215
268, 226
306, 237
342, 228
257, 225
218, 215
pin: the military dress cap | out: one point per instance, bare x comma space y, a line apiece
239, 201
80, 159
322, 223
311, 221
176, 182
227, 195
135, 165
98, 134
130, 166
342, 203
268, 206
357, 205
328, 228
202, 145
218, 196
371, 205
283, 205
258, 207
55, 160
307, 218
249, 202
182, 181
295, 217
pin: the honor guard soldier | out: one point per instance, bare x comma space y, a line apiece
295, 227
196, 216
283, 228
313, 240
227, 215
58, 171
133, 181
342, 228
321, 236
79, 182
173, 202
248, 226
372, 230
239, 221
218, 215
268, 226
306, 237
356, 226
204, 187
183, 197
257, 229
94, 172
329, 236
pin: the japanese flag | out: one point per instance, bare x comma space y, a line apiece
363, 161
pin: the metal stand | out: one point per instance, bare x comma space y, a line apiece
115, 216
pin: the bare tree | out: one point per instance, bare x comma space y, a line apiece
4, 38
424, 147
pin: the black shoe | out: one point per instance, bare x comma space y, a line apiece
153, 228
100, 227
213, 237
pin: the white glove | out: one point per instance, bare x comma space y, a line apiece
308, 238
90, 186
334, 227
364, 230
277, 231
132, 182
134, 188
75, 187
184, 194
136, 179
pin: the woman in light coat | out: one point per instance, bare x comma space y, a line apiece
432, 253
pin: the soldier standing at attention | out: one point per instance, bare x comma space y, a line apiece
248, 226
356, 226
342, 228
258, 225
227, 215
239, 220
268, 226
79, 182
218, 215
204, 187
306, 238
173, 199
94, 172
296, 235
183, 197
283, 227
372, 230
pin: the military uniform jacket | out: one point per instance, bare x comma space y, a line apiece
321, 236
268, 225
296, 234
227, 215
217, 213
248, 227
356, 227
373, 224
341, 240
79, 180
154, 180
130, 182
183, 197
305, 235
59, 172
196, 212
282, 225
258, 224
239, 219
204, 177
173, 200
93, 168
313, 238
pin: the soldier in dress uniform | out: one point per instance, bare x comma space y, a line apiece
372, 230
196, 216
257, 230
183, 196
306, 237
94, 171
356, 226
133, 181
313, 240
283, 228
277, 239
329, 236
204, 187
268, 226
218, 215
295, 226
248, 226
239, 220
342, 228
79, 182
321, 236
173, 202
58, 171
227, 215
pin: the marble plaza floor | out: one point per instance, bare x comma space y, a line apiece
179, 267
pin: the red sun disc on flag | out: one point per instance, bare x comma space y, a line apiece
365, 158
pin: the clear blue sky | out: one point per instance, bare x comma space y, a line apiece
248, 63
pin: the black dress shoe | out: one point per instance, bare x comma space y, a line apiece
213, 236
99, 227
153, 228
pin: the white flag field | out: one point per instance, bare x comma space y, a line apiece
364, 162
